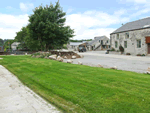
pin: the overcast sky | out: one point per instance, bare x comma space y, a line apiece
89, 18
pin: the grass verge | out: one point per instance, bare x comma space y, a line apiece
78, 88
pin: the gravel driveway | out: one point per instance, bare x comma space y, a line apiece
123, 62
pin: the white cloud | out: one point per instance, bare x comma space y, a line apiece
92, 23
69, 10
26, 7
136, 1
8, 7
9, 28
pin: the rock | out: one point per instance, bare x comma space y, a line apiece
80, 63
81, 56
33, 56
115, 67
60, 59
100, 65
148, 70
53, 57
46, 57
1, 58
65, 57
69, 61
26, 53
73, 57
37, 56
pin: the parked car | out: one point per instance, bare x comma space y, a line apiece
82, 49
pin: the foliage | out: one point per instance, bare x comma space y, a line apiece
138, 55
143, 55
82, 89
128, 54
8, 43
121, 49
26, 41
47, 25
42, 55
1, 42
112, 49
118, 51
80, 40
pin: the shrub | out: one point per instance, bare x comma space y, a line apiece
143, 55
112, 49
138, 55
128, 54
117, 51
121, 49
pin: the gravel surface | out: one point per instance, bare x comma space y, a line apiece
130, 63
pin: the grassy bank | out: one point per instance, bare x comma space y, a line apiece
77, 88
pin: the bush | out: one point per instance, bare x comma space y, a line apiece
138, 55
117, 51
143, 55
121, 49
112, 49
42, 55
128, 54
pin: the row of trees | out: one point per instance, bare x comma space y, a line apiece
46, 29
80, 40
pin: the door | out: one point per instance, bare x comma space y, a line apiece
148, 48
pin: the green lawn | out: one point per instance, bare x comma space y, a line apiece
78, 88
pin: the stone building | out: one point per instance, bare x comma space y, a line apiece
99, 43
133, 36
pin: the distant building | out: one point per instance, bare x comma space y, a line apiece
99, 43
14, 45
73, 45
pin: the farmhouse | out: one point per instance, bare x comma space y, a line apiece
99, 43
133, 36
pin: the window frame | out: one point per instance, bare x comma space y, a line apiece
139, 44
116, 44
101, 42
125, 44
117, 36
127, 35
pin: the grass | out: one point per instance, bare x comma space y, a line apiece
78, 88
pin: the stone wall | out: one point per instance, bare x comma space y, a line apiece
132, 41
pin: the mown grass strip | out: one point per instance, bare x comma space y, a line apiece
78, 88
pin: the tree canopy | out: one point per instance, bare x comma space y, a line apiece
46, 29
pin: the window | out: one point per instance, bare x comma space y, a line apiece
107, 41
117, 36
125, 44
101, 42
138, 43
127, 35
116, 44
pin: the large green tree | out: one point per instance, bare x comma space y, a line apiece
47, 25
26, 42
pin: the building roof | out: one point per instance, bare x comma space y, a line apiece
15, 43
97, 38
75, 43
135, 25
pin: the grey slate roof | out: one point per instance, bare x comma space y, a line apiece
139, 24
75, 43
96, 39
